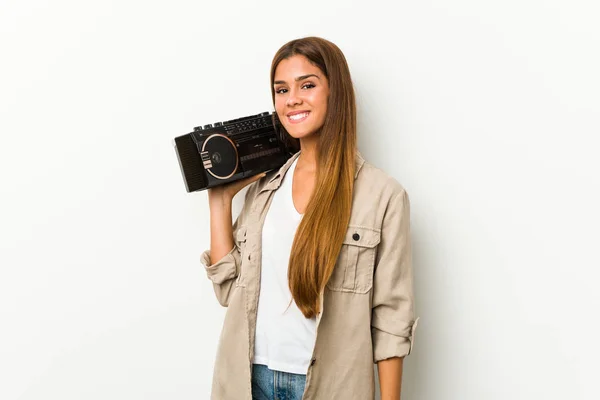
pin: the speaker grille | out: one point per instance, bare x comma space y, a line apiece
190, 163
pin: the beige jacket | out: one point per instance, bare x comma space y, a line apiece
367, 305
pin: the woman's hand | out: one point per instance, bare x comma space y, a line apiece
224, 194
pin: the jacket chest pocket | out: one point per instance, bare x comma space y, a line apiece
353, 270
240, 242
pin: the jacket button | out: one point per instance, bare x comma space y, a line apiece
356, 236
312, 362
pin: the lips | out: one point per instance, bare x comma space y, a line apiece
297, 116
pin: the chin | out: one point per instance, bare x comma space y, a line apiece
300, 132
301, 135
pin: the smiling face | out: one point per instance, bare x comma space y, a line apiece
301, 92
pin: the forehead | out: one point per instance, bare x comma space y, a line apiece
295, 66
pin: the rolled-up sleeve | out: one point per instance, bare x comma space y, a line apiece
226, 268
393, 320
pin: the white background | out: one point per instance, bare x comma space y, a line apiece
486, 111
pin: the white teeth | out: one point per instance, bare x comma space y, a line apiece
298, 116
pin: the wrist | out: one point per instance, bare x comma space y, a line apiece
219, 199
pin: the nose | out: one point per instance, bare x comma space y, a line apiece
293, 99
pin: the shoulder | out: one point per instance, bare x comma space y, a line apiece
270, 181
377, 197
378, 183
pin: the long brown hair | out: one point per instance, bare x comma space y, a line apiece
321, 232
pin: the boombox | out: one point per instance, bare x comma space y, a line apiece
228, 151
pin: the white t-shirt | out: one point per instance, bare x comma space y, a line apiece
284, 339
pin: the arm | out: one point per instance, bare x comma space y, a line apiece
222, 262
390, 378
221, 229
393, 322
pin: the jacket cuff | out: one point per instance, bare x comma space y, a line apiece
387, 345
226, 268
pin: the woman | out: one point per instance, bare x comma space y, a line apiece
316, 271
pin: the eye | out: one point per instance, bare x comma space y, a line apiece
280, 90
308, 85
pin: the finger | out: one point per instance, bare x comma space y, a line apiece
258, 176
252, 179
239, 185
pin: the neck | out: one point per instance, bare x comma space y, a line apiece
308, 154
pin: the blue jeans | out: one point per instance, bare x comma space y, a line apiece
276, 385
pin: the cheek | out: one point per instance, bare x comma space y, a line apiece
320, 100
279, 104
322, 107
280, 111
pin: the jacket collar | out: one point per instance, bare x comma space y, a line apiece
275, 181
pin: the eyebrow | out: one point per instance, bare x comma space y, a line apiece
298, 78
